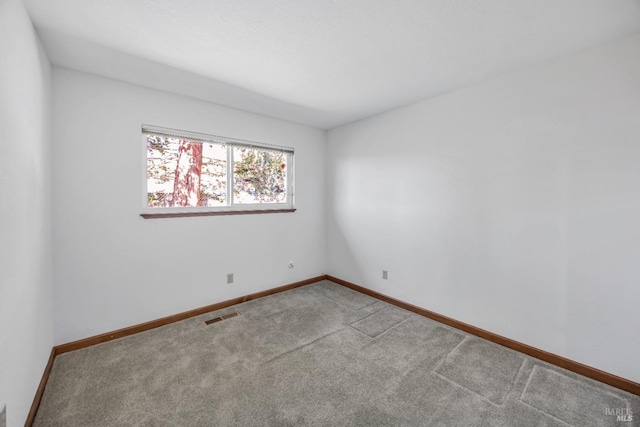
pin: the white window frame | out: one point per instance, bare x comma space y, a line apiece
230, 207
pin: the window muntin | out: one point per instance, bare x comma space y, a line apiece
192, 172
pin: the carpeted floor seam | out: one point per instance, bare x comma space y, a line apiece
297, 360
300, 347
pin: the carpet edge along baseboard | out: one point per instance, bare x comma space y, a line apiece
40, 390
554, 359
131, 330
562, 362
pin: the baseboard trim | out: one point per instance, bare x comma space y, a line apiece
108, 336
130, 330
554, 359
579, 368
40, 390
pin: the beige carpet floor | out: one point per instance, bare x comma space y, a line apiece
319, 355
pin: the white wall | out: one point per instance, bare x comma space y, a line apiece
115, 269
512, 205
26, 314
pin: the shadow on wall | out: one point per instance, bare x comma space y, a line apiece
343, 251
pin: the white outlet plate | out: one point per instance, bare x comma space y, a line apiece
230, 278
385, 274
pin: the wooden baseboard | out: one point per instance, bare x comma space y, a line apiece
130, 330
97, 339
579, 368
554, 359
40, 390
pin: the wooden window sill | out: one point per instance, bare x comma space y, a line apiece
212, 213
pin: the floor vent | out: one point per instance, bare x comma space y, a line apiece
221, 318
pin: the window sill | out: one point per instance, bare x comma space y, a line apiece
152, 215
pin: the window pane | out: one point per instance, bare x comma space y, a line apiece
259, 176
213, 184
182, 173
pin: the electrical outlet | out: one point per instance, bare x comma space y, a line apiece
385, 274
230, 278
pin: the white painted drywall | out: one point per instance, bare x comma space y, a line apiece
26, 313
328, 62
115, 269
512, 205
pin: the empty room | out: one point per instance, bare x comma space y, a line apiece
319, 213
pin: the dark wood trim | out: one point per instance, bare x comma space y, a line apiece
212, 213
40, 390
554, 359
97, 339
579, 368
130, 330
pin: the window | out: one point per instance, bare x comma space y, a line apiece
189, 174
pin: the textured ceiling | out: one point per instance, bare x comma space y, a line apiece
320, 62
